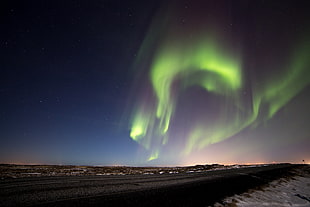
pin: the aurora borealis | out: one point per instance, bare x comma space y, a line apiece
155, 83
201, 56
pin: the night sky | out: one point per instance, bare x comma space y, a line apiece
154, 82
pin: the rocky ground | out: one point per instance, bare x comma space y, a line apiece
128, 186
18, 171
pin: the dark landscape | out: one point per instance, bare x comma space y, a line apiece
200, 185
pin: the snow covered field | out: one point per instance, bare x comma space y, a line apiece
294, 191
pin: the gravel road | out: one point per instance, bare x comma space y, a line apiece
184, 189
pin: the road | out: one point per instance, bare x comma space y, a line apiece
186, 189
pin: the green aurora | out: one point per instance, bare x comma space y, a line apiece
208, 61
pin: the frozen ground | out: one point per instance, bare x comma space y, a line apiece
8, 171
287, 191
82, 186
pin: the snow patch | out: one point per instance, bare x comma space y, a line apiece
282, 192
